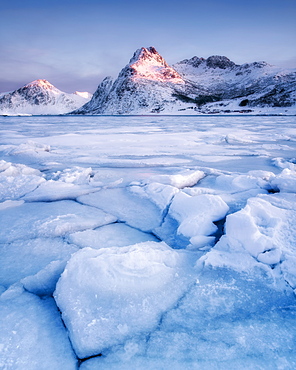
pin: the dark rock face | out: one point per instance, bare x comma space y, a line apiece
244, 103
221, 62
215, 61
279, 96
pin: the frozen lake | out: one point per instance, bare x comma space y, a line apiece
148, 242
232, 143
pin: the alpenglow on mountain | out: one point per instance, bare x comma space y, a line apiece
41, 97
193, 86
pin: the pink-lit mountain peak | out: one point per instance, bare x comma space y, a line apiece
147, 63
148, 55
42, 84
41, 97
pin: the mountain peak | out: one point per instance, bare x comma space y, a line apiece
41, 97
147, 63
41, 83
194, 61
148, 55
218, 61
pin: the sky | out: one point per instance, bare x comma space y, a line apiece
75, 44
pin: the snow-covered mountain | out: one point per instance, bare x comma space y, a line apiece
145, 85
217, 85
197, 85
41, 97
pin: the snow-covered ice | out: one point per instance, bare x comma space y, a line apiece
112, 294
148, 242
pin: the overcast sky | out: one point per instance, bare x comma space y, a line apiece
75, 44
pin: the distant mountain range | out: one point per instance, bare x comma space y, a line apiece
147, 85
41, 97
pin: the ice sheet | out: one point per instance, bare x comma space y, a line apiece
135, 142
221, 187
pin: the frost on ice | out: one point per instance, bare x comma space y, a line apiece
126, 206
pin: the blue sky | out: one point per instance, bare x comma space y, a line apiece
75, 44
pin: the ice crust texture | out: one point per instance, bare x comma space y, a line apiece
179, 256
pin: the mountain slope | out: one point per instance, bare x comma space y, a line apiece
197, 85
41, 97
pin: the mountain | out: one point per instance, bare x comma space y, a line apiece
146, 84
41, 97
218, 85
197, 85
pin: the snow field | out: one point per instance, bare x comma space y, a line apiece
147, 267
